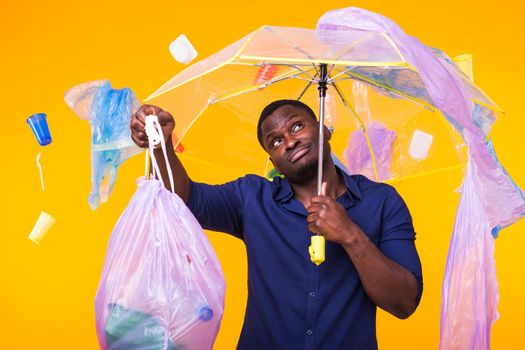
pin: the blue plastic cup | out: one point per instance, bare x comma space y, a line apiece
38, 124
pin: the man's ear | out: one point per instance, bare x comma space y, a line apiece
327, 133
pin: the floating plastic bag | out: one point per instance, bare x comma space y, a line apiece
489, 201
109, 113
162, 286
470, 271
357, 153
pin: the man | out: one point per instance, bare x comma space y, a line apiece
371, 258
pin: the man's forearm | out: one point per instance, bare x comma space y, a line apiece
388, 284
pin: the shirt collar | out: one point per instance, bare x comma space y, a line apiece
352, 184
283, 190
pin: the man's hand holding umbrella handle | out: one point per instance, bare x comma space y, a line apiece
388, 284
167, 123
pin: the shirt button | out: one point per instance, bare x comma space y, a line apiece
312, 294
309, 332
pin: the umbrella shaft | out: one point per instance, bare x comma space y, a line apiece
321, 144
322, 94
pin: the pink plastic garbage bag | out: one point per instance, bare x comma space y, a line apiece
162, 286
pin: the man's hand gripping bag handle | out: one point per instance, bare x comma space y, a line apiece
155, 136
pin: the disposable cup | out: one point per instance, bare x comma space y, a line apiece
182, 50
38, 124
464, 62
42, 226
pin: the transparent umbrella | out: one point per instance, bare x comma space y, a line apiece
384, 123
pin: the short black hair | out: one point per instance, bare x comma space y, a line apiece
268, 110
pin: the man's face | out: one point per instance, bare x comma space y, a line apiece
290, 136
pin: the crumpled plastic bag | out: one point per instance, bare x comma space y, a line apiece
109, 113
162, 286
470, 271
357, 153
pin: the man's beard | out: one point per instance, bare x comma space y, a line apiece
304, 174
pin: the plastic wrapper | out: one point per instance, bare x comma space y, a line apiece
162, 286
109, 112
357, 153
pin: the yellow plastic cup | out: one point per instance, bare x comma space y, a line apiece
464, 62
42, 226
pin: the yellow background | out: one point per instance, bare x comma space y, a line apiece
47, 291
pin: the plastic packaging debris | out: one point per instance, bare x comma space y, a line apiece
360, 150
273, 174
128, 329
41, 227
182, 50
420, 145
109, 113
358, 154
464, 63
38, 124
330, 110
179, 148
265, 74
470, 270
361, 105
162, 286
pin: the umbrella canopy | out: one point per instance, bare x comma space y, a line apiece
385, 124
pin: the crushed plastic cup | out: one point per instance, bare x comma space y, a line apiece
182, 50
38, 124
42, 226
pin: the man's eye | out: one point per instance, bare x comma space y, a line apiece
276, 143
296, 127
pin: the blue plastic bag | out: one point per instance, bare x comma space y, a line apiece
109, 113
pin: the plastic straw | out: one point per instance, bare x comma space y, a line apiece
40, 169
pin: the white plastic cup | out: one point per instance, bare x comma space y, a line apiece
42, 226
420, 145
182, 50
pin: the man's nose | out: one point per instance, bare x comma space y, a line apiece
290, 142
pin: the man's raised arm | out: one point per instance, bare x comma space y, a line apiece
167, 123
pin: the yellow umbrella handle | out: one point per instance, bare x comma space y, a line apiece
316, 250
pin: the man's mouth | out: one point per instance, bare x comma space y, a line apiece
297, 154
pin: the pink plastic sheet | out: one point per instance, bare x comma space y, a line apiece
489, 201
470, 288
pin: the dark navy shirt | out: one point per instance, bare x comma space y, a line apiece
292, 303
